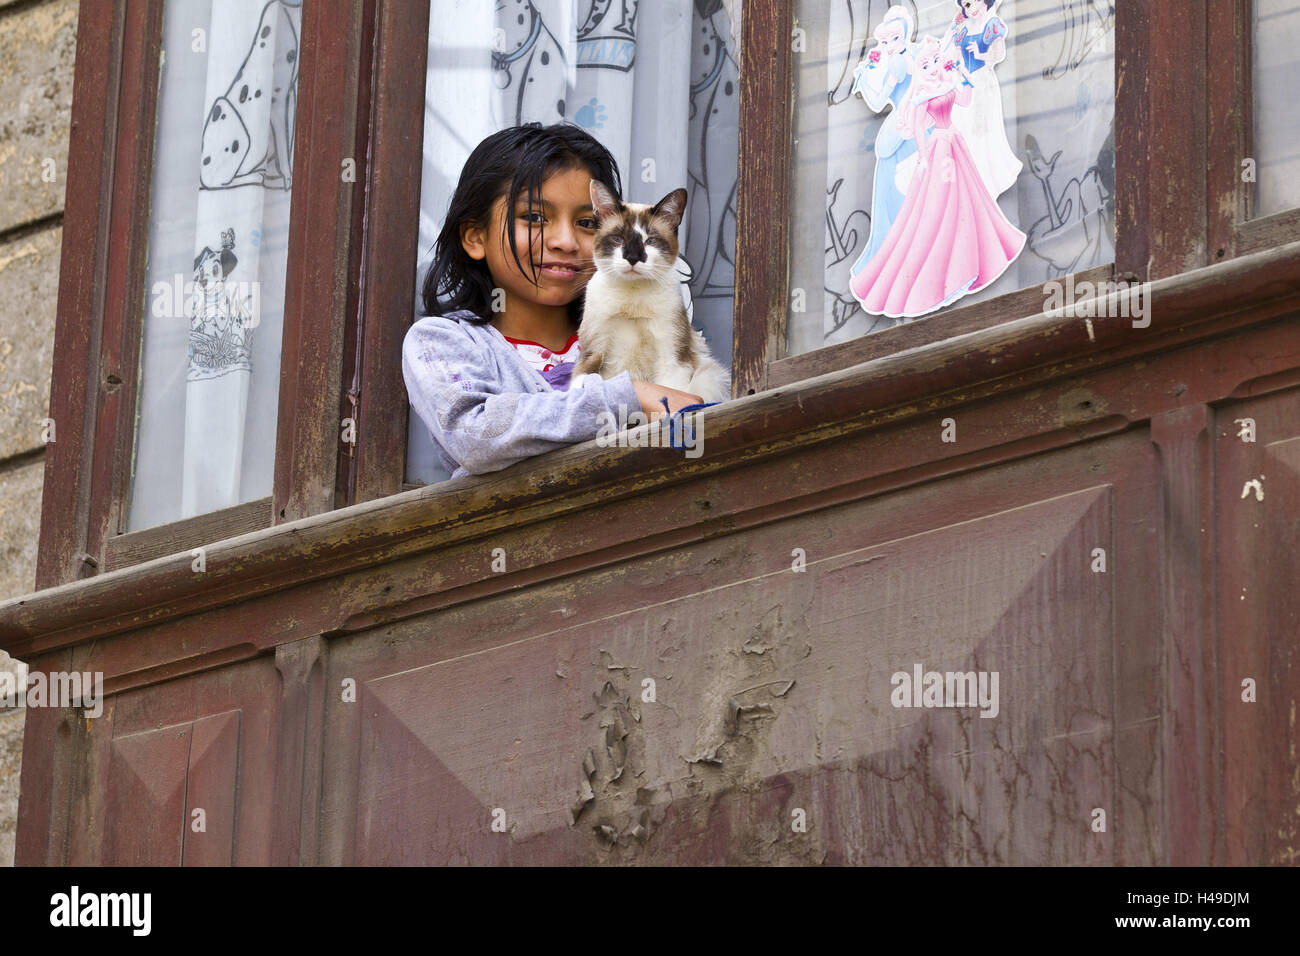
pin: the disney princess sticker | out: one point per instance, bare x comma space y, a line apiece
982, 39
883, 79
949, 239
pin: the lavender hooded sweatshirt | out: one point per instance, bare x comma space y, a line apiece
487, 408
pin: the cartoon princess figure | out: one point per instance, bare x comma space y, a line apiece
883, 79
950, 238
981, 38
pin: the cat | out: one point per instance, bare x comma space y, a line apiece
633, 317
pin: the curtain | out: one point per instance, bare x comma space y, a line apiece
217, 257
1058, 97
655, 81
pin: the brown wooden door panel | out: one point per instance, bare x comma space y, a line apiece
773, 692
159, 779
157, 754
1259, 611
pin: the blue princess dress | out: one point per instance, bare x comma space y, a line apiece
982, 125
883, 83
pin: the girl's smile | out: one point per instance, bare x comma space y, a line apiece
561, 270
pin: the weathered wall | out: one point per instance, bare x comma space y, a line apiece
37, 54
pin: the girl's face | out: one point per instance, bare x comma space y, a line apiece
561, 252
974, 9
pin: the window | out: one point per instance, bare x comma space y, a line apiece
1138, 76
1253, 148
218, 251
692, 86
656, 83
1276, 126
1053, 94
159, 89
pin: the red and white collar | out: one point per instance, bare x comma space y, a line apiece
542, 358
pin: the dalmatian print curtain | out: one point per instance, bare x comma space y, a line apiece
217, 256
655, 81
247, 152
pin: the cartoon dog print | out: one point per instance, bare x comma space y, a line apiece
530, 65
248, 134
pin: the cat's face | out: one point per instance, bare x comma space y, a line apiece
635, 241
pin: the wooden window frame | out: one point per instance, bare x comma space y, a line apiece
1152, 239
1234, 230
1163, 203
102, 293
350, 289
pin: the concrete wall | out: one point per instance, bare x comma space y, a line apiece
38, 40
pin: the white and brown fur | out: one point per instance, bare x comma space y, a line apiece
633, 318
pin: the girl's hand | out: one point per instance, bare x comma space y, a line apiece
649, 394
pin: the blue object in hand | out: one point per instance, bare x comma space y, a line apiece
676, 425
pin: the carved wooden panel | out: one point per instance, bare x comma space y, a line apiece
772, 733
156, 756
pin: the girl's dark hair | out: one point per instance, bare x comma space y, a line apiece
962, 9
513, 161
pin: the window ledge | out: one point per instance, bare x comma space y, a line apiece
923, 381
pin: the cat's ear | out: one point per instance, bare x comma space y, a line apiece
671, 208
604, 202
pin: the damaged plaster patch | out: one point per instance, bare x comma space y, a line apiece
653, 776
741, 699
619, 810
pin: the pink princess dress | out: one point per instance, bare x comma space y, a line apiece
950, 238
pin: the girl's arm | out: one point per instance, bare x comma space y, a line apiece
454, 387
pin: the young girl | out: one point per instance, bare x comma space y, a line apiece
487, 370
